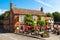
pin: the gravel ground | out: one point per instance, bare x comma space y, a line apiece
11, 36
4, 35
53, 37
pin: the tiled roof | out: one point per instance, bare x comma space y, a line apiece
26, 11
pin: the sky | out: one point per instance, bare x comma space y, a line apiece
48, 5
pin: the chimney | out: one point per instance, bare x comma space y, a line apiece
41, 9
11, 4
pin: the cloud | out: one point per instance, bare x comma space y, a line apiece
2, 11
46, 4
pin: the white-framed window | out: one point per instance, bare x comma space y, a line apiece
21, 18
42, 18
34, 18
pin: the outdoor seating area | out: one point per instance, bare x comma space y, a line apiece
37, 31
56, 30
30, 20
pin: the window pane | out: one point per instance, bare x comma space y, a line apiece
34, 18
21, 18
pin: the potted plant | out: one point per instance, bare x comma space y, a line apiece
45, 34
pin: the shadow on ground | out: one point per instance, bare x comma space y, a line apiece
32, 36
3, 31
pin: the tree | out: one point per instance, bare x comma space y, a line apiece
28, 19
56, 16
2, 16
40, 22
1, 22
32, 25
49, 15
46, 21
6, 12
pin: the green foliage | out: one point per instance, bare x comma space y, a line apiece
42, 23
56, 16
3, 15
39, 17
6, 12
49, 15
28, 19
46, 21
46, 33
32, 25
39, 20
1, 22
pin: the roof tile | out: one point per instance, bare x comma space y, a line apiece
25, 11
